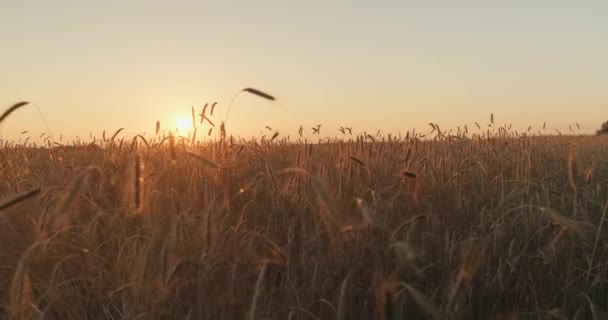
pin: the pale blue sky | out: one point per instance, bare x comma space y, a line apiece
95, 65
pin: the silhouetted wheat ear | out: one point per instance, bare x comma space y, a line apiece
259, 93
274, 136
409, 174
204, 112
157, 127
115, 134
142, 139
12, 109
193, 118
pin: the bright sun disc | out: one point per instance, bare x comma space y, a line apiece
184, 124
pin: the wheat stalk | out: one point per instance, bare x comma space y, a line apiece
19, 199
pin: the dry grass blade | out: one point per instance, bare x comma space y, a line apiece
172, 148
204, 160
556, 314
21, 294
327, 200
594, 310
577, 226
507, 316
404, 253
342, 307
597, 239
423, 302
193, 140
470, 262
139, 181
12, 109
76, 187
257, 293
368, 214
361, 163
210, 122
572, 170
18, 199
389, 312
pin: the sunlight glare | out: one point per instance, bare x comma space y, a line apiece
184, 124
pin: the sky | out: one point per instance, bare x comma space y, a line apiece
90, 66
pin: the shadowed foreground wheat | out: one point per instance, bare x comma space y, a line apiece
499, 226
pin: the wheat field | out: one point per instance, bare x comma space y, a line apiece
493, 225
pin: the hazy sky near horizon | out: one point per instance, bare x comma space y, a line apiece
393, 65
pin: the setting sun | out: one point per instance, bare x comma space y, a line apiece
183, 124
